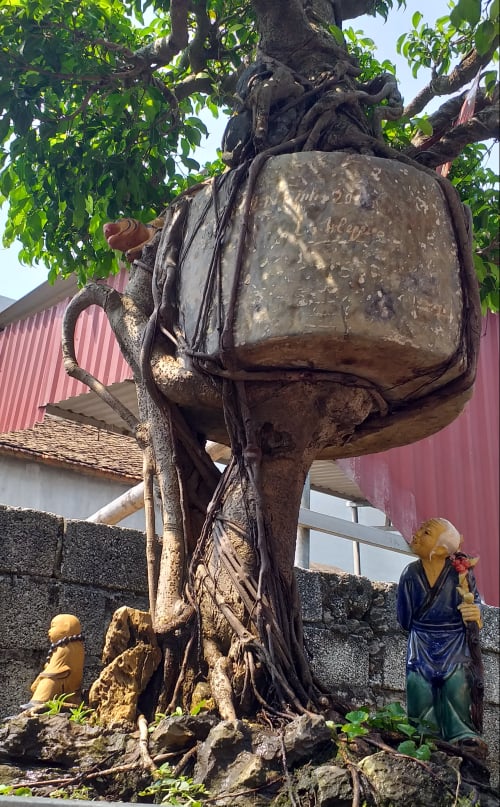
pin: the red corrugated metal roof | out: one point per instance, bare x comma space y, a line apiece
454, 474
31, 368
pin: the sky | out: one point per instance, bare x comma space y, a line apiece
16, 280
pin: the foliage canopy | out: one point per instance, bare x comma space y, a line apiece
102, 104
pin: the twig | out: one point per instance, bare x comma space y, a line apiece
356, 790
184, 761
289, 786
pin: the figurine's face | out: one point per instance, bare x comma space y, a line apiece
63, 625
425, 539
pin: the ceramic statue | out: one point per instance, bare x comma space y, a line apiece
438, 603
63, 670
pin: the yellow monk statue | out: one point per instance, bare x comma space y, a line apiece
63, 670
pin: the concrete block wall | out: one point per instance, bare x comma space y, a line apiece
358, 650
49, 565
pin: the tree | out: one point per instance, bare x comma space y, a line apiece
83, 87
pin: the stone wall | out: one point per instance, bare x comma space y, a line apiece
49, 565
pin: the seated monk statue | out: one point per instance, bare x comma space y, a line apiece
130, 236
63, 670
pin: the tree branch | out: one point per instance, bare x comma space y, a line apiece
161, 51
349, 9
483, 126
444, 118
461, 75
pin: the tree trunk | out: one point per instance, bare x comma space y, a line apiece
215, 359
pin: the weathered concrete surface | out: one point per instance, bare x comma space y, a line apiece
350, 265
349, 261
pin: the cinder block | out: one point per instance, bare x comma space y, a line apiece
336, 661
28, 541
26, 609
491, 662
490, 632
16, 676
394, 663
308, 584
89, 606
106, 557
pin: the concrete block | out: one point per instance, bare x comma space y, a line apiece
308, 584
490, 633
26, 609
355, 592
106, 557
491, 662
335, 660
394, 663
16, 676
29, 541
89, 606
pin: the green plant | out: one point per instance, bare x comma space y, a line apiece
353, 727
80, 714
196, 709
12, 790
82, 793
54, 706
176, 791
391, 717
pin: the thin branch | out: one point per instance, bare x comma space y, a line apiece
461, 75
104, 297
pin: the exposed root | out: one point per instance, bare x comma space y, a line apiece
147, 761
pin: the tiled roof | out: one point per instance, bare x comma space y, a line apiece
63, 442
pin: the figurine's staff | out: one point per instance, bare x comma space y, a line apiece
463, 565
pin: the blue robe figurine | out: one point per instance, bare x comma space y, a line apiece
438, 604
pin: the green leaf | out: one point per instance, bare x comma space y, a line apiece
406, 728
425, 126
359, 716
408, 747
424, 752
470, 11
484, 36
416, 19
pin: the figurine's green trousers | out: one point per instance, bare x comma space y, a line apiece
446, 703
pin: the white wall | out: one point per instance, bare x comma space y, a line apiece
63, 492
74, 495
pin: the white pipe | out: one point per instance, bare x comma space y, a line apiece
126, 504
133, 499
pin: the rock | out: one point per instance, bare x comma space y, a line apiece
334, 786
241, 764
116, 692
181, 731
304, 737
127, 627
400, 780
56, 740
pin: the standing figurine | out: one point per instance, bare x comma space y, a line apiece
63, 670
438, 603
